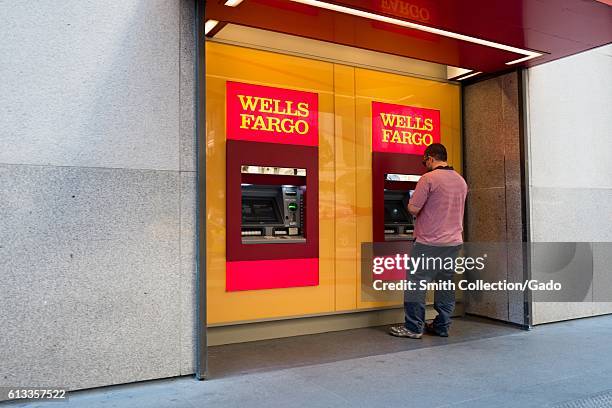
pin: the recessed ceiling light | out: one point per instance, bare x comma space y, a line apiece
469, 76
209, 25
372, 16
233, 3
516, 61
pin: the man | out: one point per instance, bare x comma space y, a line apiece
438, 204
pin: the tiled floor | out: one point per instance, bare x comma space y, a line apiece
483, 364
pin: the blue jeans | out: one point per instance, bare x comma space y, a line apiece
444, 299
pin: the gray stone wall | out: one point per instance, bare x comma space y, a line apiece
97, 192
493, 173
570, 143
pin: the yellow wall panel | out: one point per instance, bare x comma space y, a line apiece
230, 63
346, 214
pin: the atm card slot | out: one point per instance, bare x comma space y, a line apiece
280, 232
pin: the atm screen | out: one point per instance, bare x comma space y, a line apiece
395, 212
260, 210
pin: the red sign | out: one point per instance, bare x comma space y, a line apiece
274, 115
403, 129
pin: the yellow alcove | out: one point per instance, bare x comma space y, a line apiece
345, 196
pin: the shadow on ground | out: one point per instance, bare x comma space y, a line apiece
267, 355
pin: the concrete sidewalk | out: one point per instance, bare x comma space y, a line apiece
545, 367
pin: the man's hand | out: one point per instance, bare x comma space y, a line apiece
413, 210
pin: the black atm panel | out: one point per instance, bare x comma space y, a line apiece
272, 214
260, 210
399, 223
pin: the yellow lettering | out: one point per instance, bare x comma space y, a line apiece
409, 122
259, 123
401, 121
428, 125
274, 123
427, 139
248, 102
302, 108
287, 125
265, 105
386, 133
277, 109
388, 120
407, 137
245, 120
304, 127
396, 138
288, 108
278, 124
417, 139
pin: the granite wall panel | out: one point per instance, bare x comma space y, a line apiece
90, 83
90, 261
493, 173
98, 192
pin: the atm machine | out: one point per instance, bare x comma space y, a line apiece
272, 216
272, 213
398, 222
394, 178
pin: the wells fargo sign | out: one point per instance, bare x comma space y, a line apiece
273, 115
411, 10
421, 11
403, 129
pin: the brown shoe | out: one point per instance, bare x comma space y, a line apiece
429, 328
402, 331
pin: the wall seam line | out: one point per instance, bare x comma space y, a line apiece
96, 167
180, 185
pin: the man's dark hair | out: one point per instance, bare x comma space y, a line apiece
437, 151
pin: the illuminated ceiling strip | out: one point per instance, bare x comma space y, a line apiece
456, 72
516, 61
372, 16
233, 3
209, 25
469, 76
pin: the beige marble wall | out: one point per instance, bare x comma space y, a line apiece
492, 170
